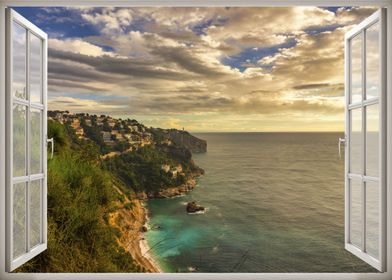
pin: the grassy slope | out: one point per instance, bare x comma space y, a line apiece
80, 198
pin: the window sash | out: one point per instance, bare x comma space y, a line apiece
12, 261
360, 30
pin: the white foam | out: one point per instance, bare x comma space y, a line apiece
199, 212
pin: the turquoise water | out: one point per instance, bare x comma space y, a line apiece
274, 204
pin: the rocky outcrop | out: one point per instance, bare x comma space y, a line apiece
144, 228
193, 207
176, 191
169, 192
179, 138
194, 144
189, 185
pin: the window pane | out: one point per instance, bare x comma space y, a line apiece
373, 61
35, 69
356, 148
19, 140
19, 61
372, 218
19, 219
356, 212
372, 140
35, 141
356, 68
35, 213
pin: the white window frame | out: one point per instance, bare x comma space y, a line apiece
32, 30
201, 3
378, 17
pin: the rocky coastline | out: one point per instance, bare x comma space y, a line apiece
189, 185
133, 223
143, 162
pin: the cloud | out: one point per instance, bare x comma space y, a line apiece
77, 104
179, 62
108, 19
312, 86
78, 46
124, 68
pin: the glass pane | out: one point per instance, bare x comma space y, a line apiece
35, 141
356, 68
35, 213
372, 218
356, 148
35, 69
19, 61
356, 212
372, 140
19, 219
19, 140
373, 61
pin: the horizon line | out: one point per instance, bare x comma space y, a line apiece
300, 131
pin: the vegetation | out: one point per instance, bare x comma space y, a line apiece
94, 133
141, 170
81, 193
80, 197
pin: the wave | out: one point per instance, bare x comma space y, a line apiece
176, 196
199, 212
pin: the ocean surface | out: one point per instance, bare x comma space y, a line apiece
275, 203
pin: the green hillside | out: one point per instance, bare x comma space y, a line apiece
80, 197
90, 178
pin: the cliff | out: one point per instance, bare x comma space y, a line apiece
172, 191
191, 142
130, 219
179, 138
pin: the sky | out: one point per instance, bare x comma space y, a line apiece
201, 69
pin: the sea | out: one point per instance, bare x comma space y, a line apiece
274, 203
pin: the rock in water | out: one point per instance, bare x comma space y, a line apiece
192, 207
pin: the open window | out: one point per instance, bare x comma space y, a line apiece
26, 173
365, 191
365, 153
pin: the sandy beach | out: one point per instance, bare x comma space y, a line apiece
140, 250
147, 257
